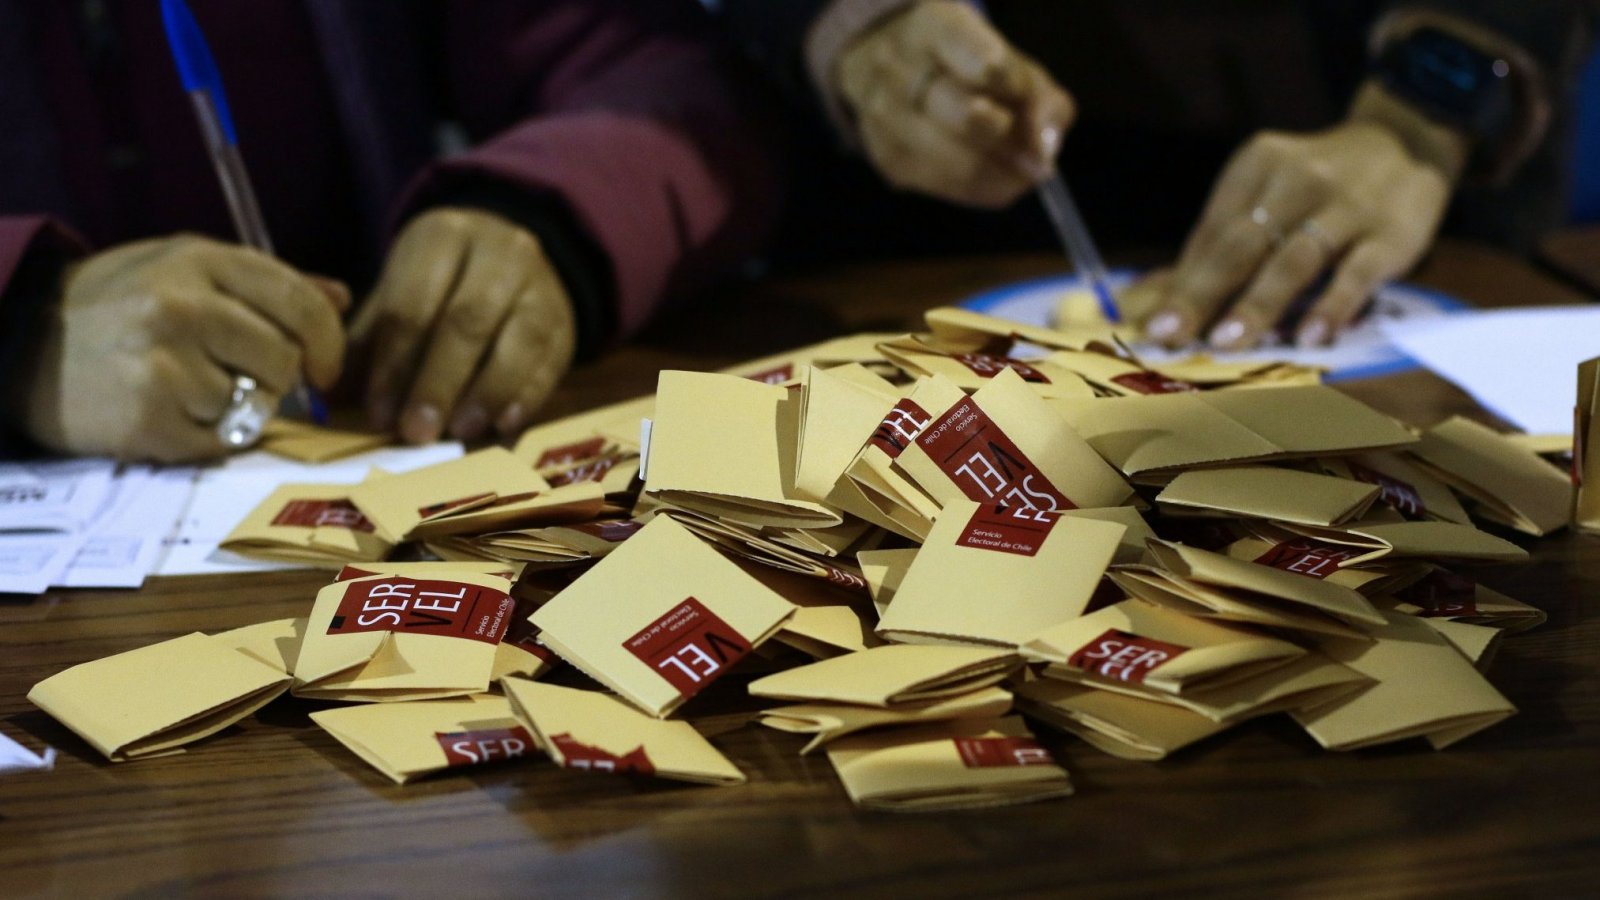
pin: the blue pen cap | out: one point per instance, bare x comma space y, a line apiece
197, 68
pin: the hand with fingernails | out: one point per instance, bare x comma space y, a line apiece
946, 106
140, 350
467, 332
1336, 212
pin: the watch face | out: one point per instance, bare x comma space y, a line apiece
1448, 78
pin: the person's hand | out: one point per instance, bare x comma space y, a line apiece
138, 357
1338, 212
469, 328
947, 107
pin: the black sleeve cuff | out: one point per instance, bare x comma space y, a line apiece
27, 299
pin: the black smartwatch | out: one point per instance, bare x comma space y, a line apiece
1451, 82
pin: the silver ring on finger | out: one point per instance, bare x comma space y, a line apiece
1262, 218
1318, 234
247, 414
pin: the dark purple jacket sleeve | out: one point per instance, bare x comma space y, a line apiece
630, 115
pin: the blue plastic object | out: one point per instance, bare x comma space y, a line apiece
197, 68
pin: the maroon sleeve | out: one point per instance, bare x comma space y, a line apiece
628, 113
20, 234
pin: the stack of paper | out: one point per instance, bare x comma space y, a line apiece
905, 540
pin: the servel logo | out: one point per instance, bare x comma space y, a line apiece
1121, 656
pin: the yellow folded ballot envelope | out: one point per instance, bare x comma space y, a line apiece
1404, 487
992, 574
1478, 643
276, 643
885, 571
573, 439
312, 524
1586, 449
956, 326
661, 618
725, 446
572, 503
1508, 483
918, 357
1118, 724
891, 676
1424, 687
1005, 445
1142, 649
1269, 492
1266, 587
597, 732
842, 408
1443, 594
827, 722
304, 442
406, 741
875, 489
156, 699
399, 503
391, 637
1172, 431
967, 764
1371, 542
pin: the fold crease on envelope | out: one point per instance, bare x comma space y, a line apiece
1173, 431
598, 732
156, 699
1411, 540
995, 575
1142, 649
1424, 687
313, 524
891, 675
661, 618
1118, 724
827, 722
1443, 594
1403, 486
1268, 492
1253, 581
399, 503
966, 764
725, 446
406, 741
1509, 484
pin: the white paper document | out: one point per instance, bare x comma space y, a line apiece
225, 495
124, 545
1521, 364
16, 758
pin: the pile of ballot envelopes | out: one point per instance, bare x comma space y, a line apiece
919, 547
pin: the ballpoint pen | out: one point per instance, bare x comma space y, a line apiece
1080, 246
247, 413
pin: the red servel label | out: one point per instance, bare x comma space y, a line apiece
988, 366
593, 471
1002, 752
775, 375
1121, 656
484, 745
566, 454
419, 606
1400, 495
1148, 382
1021, 529
985, 463
845, 579
689, 646
1443, 595
323, 514
899, 428
578, 755
1304, 556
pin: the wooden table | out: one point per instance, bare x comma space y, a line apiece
275, 806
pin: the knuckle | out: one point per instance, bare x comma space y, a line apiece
476, 319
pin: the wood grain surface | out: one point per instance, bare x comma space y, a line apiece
275, 807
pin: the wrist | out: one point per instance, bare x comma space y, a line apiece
1433, 143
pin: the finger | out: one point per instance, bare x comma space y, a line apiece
1218, 262
971, 117
921, 156
240, 340
422, 271
532, 352
1139, 300
1047, 114
337, 292
1368, 265
464, 334
1291, 269
199, 386
961, 40
290, 301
